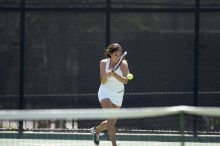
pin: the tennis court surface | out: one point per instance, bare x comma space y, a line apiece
85, 139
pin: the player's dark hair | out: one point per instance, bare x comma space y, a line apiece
112, 48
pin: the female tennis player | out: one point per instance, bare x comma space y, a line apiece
111, 90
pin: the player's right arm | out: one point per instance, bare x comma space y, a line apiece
103, 74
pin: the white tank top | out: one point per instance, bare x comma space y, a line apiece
112, 83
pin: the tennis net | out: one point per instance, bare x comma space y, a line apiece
187, 134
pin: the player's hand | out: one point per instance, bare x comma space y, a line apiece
109, 73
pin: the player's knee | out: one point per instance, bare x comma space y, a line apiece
110, 123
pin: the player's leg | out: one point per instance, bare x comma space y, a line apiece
103, 124
107, 124
105, 103
110, 123
111, 131
95, 131
101, 127
111, 128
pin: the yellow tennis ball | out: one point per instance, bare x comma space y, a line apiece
130, 76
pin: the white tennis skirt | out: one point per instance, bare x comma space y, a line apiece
116, 98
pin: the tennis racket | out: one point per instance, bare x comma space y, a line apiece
120, 61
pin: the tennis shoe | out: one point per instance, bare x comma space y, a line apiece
95, 136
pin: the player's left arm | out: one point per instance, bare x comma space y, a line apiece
125, 71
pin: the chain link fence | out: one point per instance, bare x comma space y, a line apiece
63, 42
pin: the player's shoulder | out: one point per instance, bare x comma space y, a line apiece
103, 61
125, 62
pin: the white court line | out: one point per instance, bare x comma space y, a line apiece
51, 144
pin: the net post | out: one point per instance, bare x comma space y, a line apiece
182, 128
196, 62
22, 61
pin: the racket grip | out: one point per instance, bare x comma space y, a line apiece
110, 70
